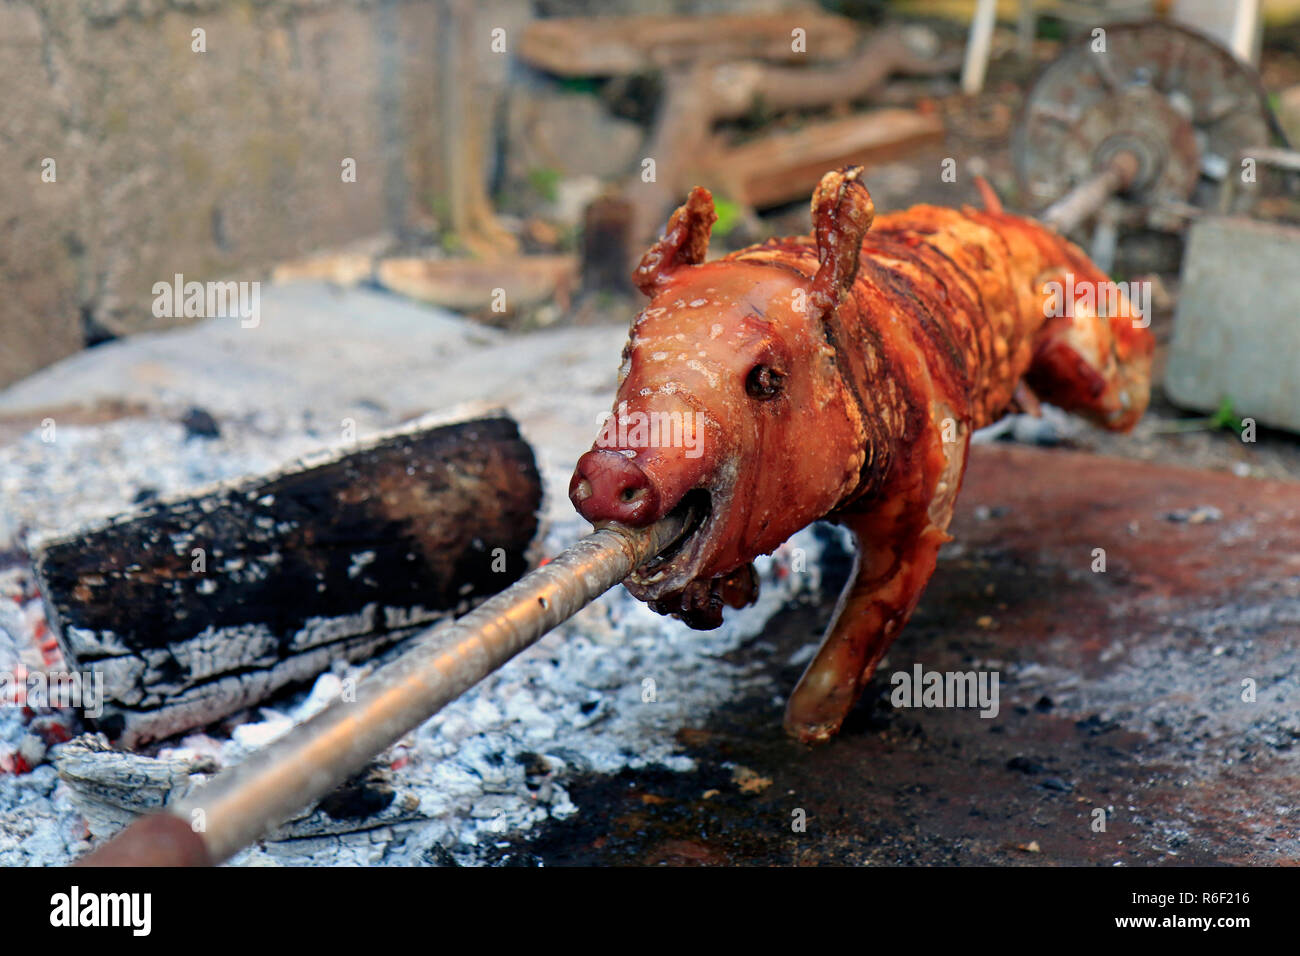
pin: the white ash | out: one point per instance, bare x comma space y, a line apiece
1051, 426
1212, 649
20, 615
89, 473
574, 703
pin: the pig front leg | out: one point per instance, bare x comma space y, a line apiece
886, 583
897, 547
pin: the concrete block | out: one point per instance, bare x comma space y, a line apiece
1237, 327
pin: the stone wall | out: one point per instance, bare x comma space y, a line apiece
211, 164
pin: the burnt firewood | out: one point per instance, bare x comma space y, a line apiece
193, 609
113, 788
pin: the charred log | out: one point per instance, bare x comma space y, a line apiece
196, 608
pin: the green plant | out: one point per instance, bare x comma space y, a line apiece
1224, 418
1050, 28
580, 84
545, 181
728, 215
439, 206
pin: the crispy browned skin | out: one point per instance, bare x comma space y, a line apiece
839, 376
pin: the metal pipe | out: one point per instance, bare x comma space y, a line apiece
240, 805
977, 46
1090, 195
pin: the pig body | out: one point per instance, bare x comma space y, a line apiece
839, 376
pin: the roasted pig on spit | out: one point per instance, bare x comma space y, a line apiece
838, 377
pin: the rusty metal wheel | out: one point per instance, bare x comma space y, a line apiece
1179, 102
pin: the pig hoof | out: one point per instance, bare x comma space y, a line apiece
811, 734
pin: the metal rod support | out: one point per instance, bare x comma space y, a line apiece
242, 804
1083, 200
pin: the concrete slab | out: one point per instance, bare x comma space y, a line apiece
1237, 329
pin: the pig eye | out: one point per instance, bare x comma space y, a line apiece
763, 382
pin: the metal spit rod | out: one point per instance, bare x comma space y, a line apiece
242, 804
1086, 198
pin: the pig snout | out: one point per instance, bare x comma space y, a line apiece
636, 487
609, 486
645, 461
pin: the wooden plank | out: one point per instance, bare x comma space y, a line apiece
784, 167
195, 608
503, 284
684, 141
619, 46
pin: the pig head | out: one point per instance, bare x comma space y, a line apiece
731, 403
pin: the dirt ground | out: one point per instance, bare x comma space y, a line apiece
1121, 697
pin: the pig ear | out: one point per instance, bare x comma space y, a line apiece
842, 212
685, 242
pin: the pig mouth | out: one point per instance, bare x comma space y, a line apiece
674, 583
